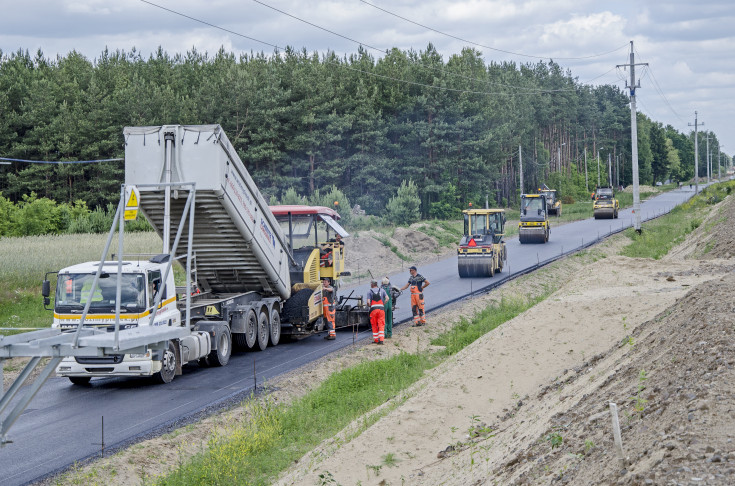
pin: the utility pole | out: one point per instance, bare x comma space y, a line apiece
634, 137
598, 168
520, 161
609, 170
719, 161
586, 182
617, 170
696, 152
709, 160
558, 152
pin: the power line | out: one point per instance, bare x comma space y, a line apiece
384, 51
61, 161
658, 89
344, 66
489, 47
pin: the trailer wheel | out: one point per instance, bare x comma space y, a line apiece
168, 365
247, 339
221, 355
80, 380
263, 331
275, 327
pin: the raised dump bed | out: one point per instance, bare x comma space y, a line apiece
238, 244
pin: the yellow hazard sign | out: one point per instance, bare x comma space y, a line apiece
132, 196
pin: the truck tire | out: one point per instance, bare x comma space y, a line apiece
275, 327
80, 380
221, 355
263, 331
168, 365
246, 340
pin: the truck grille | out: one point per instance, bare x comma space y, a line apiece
114, 359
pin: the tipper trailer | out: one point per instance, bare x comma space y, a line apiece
248, 283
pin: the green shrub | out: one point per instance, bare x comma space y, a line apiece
403, 208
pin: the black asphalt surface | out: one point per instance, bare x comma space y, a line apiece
63, 422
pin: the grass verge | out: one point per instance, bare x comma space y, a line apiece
276, 436
663, 233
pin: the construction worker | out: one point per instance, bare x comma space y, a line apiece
376, 299
388, 308
327, 257
418, 283
328, 309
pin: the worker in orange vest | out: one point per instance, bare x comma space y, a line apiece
328, 309
418, 283
376, 299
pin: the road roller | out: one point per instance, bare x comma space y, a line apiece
481, 251
606, 206
534, 225
553, 203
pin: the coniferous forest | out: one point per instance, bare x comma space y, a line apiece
304, 122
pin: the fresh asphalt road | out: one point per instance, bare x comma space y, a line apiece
63, 423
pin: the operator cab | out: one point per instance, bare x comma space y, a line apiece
310, 229
483, 227
533, 207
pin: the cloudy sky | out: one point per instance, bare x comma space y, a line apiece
689, 46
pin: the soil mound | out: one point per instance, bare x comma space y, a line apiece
674, 389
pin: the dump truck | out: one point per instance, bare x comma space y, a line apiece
605, 206
253, 273
481, 250
534, 226
553, 203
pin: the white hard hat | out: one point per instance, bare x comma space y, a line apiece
386, 281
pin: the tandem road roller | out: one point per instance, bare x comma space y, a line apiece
534, 226
606, 206
481, 251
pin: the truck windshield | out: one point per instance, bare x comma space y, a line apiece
74, 290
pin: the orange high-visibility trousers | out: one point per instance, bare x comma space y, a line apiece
417, 306
377, 321
328, 311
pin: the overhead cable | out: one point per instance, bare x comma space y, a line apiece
489, 47
385, 51
61, 161
344, 66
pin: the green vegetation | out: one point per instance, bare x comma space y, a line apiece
39, 216
662, 234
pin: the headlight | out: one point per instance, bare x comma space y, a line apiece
147, 354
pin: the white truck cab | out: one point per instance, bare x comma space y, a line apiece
141, 281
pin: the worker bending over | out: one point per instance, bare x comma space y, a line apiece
418, 283
376, 299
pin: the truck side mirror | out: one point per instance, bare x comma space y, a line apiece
46, 289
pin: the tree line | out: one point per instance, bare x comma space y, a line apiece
304, 122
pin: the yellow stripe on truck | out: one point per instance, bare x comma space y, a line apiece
112, 316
